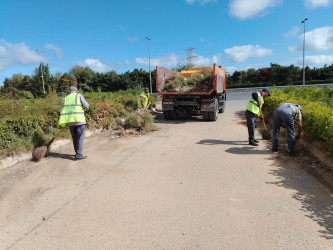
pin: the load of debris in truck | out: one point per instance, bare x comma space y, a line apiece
193, 79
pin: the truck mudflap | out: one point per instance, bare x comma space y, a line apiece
208, 106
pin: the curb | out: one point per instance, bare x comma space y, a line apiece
12, 160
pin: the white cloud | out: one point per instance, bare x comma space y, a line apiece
16, 54
57, 50
312, 4
293, 49
95, 65
200, 1
132, 39
168, 61
173, 60
292, 33
230, 70
319, 59
319, 39
123, 28
250, 8
242, 53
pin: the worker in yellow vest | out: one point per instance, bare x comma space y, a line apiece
253, 110
72, 113
144, 99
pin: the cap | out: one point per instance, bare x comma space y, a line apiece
266, 90
147, 89
73, 88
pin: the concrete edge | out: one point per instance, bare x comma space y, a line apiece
12, 160
322, 157
320, 174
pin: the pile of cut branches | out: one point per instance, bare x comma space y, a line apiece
199, 81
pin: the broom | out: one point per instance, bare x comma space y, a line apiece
41, 151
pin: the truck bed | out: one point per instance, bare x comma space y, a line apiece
219, 85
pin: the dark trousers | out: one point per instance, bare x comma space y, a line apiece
283, 115
251, 120
78, 137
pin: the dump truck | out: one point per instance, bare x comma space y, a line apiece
208, 99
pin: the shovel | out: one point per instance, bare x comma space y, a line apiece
265, 134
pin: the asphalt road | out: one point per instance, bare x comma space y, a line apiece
191, 185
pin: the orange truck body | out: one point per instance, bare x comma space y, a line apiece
207, 102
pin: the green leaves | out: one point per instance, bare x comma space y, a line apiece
317, 110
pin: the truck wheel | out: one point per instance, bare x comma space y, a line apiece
166, 115
215, 114
173, 115
221, 109
205, 116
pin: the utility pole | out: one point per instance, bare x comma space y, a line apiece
189, 57
151, 87
304, 51
41, 63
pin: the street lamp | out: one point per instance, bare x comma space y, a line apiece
41, 63
304, 51
151, 89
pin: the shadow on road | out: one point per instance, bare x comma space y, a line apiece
59, 155
245, 150
316, 202
182, 118
216, 142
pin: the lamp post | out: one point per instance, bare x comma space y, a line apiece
304, 51
151, 88
41, 63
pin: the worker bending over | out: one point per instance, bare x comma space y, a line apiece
284, 116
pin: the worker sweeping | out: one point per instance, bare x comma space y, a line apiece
72, 113
253, 110
284, 116
144, 99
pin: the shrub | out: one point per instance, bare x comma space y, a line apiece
316, 109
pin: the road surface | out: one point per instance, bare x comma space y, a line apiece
191, 185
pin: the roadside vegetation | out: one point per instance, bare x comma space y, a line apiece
27, 123
317, 111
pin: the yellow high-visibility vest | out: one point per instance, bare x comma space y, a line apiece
146, 98
72, 110
253, 107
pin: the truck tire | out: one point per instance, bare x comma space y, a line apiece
173, 115
166, 115
221, 109
215, 114
205, 115
223, 99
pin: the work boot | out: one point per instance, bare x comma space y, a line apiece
294, 152
81, 157
256, 141
274, 150
253, 144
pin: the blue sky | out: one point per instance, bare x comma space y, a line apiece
111, 35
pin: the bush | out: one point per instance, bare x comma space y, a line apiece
316, 109
25, 123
